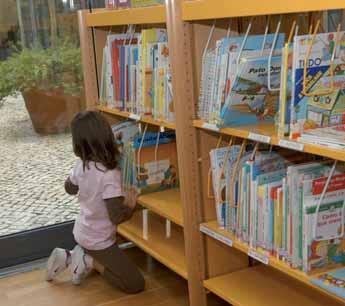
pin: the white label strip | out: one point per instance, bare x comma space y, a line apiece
145, 224
259, 257
134, 116
293, 145
162, 129
259, 137
210, 126
215, 235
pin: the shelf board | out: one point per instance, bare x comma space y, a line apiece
263, 286
213, 227
168, 251
212, 9
144, 119
269, 131
143, 15
164, 203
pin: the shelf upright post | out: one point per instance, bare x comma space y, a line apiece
180, 39
88, 61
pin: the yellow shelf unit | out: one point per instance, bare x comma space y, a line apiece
262, 286
268, 130
212, 9
168, 251
212, 227
144, 15
164, 203
143, 119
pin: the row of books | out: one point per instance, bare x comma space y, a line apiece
281, 205
148, 159
136, 74
121, 4
253, 79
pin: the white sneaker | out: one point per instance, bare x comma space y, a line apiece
81, 265
58, 262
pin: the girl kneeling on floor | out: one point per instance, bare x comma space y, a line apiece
96, 178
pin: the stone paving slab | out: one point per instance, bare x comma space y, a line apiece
33, 169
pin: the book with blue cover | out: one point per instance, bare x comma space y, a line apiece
325, 109
332, 281
250, 100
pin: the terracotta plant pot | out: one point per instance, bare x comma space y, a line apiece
51, 112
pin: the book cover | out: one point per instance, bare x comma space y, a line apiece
332, 281
309, 112
250, 101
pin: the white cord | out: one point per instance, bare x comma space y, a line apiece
270, 58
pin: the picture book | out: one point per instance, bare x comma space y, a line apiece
222, 161
250, 101
156, 174
325, 246
330, 136
332, 281
327, 108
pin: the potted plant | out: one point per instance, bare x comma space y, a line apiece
50, 81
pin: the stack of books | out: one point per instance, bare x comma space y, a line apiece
280, 205
148, 160
136, 74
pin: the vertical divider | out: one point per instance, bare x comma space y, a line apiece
88, 61
180, 39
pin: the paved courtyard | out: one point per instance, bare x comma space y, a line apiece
32, 173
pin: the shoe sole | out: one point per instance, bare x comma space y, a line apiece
50, 273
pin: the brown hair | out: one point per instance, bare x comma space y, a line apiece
93, 140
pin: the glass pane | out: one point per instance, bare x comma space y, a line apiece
40, 91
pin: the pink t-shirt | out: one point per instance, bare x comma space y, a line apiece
93, 229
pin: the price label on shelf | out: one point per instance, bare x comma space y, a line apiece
210, 126
259, 257
134, 116
259, 137
293, 145
162, 129
215, 235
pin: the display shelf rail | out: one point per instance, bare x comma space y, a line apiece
144, 15
213, 230
168, 251
266, 133
165, 203
212, 9
262, 286
143, 119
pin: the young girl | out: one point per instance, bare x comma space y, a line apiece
96, 179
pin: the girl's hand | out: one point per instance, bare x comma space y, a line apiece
131, 198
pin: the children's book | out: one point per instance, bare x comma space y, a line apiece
250, 101
332, 281
327, 108
222, 162
325, 246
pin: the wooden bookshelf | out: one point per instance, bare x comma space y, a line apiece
269, 132
213, 230
143, 119
262, 286
200, 258
168, 251
144, 15
164, 203
212, 9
